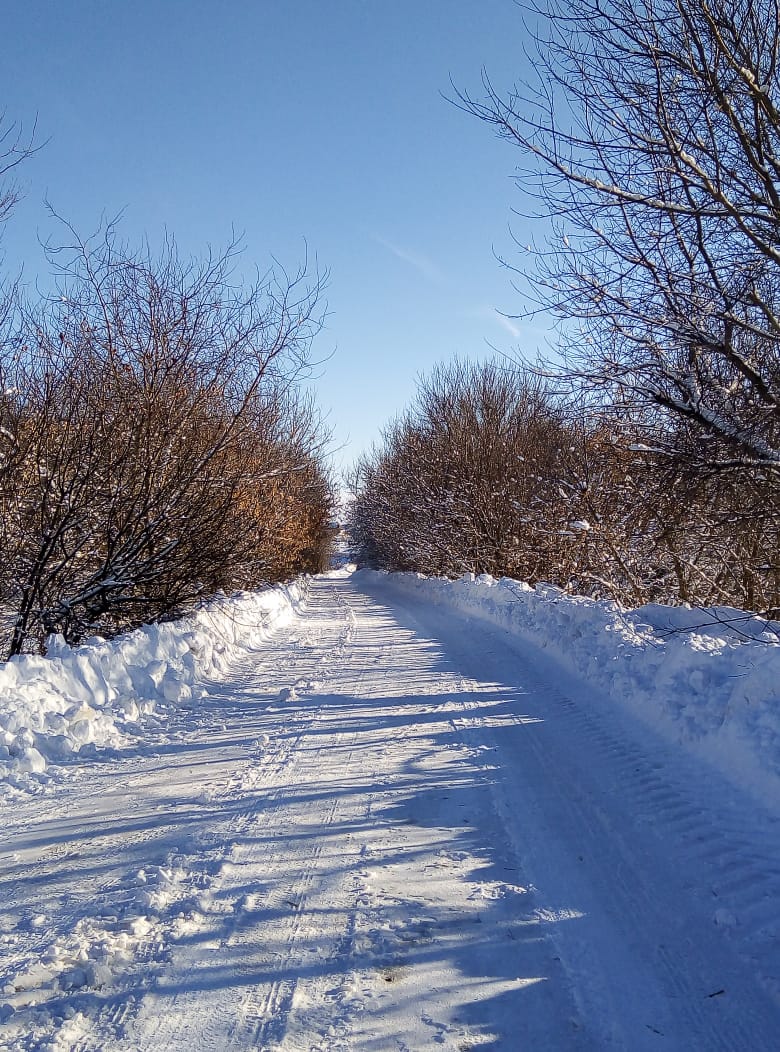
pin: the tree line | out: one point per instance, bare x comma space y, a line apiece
647, 465
157, 445
491, 471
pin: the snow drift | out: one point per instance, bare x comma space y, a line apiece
709, 679
75, 699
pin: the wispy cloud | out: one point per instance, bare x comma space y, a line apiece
506, 323
487, 313
421, 263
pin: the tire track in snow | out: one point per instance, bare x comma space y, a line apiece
436, 809
740, 883
256, 1012
613, 809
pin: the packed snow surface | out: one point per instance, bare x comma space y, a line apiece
379, 812
707, 678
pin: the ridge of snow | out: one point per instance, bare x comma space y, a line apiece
75, 700
705, 678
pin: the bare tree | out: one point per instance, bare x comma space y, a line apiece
651, 139
15, 147
147, 408
468, 480
488, 472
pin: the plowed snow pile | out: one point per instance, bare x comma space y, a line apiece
74, 700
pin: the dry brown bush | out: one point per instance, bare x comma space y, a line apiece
488, 473
663, 531
468, 480
155, 450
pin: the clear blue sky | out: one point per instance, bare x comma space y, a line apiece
293, 121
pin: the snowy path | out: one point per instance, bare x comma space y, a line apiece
393, 831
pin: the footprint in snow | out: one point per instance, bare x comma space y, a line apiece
496, 890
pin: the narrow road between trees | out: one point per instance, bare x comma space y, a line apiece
393, 829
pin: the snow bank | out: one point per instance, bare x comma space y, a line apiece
78, 699
708, 679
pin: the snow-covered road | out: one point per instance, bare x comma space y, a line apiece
393, 829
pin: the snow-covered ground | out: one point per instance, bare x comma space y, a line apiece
73, 703
382, 812
707, 679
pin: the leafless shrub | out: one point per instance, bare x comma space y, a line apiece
155, 448
489, 472
468, 479
660, 529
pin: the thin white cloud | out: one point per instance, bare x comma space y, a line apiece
422, 264
488, 313
507, 323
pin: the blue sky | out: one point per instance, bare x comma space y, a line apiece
297, 123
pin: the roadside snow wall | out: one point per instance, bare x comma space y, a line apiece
77, 699
708, 679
